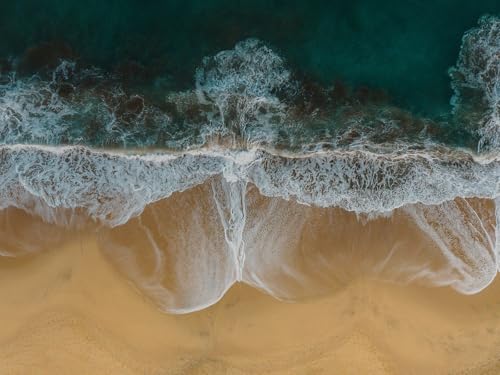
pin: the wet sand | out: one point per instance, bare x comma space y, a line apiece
68, 310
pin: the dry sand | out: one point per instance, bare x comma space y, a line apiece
68, 311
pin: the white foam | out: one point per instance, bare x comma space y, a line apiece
112, 188
243, 84
32, 111
365, 182
478, 68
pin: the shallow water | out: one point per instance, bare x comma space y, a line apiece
186, 251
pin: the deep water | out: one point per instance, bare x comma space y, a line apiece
402, 47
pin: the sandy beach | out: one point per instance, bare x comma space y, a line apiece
272, 188
68, 310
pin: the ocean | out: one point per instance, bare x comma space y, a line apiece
290, 146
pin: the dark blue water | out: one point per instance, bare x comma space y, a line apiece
403, 47
356, 62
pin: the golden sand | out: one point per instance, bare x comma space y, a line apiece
68, 311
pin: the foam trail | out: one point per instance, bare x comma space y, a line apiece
271, 236
459, 233
295, 251
230, 199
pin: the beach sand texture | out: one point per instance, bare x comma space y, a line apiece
68, 309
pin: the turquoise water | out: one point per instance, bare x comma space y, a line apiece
402, 47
